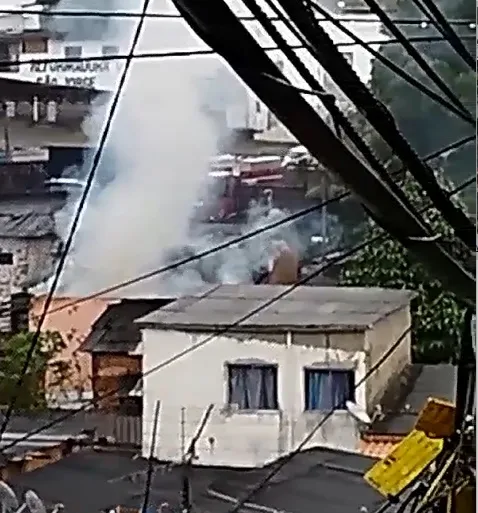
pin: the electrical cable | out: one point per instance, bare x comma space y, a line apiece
76, 13
75, 222
253, 233
379, 117
337, 115
414, 53
390, 64
432, 11
240, 50
192, 53
281, 463
355, 249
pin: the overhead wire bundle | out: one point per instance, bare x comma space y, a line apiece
386, 204
377, 188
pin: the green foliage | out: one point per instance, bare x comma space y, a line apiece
14, 350
427, 125
436, 314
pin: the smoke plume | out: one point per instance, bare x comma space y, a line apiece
160, 144
152, 173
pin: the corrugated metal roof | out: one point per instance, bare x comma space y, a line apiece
28, 217
312, 308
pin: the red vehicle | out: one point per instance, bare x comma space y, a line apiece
233, 183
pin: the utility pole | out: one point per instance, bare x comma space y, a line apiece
188, 460
149, 473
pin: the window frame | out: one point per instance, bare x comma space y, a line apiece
307, 371
251, 365
109, 54
43, 40
69, 47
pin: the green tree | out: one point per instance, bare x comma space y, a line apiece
14, 351
436, 315
426, 124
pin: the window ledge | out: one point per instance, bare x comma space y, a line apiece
324, 412
228, 411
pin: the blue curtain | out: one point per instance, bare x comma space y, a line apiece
253, 387
327, 390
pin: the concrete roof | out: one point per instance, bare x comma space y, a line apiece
342, 309
332, 479
417, 384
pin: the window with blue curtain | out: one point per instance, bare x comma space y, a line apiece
328, 389
253, 387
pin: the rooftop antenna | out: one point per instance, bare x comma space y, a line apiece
188, 460
152, 451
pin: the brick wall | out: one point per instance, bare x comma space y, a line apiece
108, 371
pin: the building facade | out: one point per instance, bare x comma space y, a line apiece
272, 379
33, 37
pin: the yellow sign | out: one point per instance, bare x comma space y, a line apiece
404, 464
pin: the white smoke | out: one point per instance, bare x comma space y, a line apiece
156, 161
160, 144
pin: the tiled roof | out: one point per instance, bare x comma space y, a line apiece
378, 446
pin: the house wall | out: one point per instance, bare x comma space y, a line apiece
33, 258
188, 385
73, 323
379, 340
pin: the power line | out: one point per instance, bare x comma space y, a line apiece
238, 47
171, 16
414, 53
327, 100
339, 118
431, 10
335, 64
249, 235
226, 329
76, 220
192, 53
391, 65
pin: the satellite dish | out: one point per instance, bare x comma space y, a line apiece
34, 503
8, 499
358, 413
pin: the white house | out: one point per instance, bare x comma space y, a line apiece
273, 377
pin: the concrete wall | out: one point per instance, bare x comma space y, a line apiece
379, 340
74, 324
244, 439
